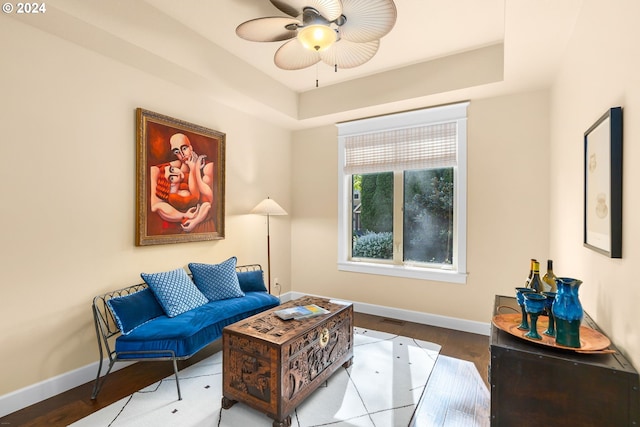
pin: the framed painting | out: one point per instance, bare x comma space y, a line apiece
603, 184
180, 181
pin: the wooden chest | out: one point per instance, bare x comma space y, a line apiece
272, 365
533, 385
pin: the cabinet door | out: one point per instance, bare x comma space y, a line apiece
530, 390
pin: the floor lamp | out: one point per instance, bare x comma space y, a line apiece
268, 207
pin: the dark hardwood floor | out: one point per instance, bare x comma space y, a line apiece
68, 407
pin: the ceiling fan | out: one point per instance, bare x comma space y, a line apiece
341, 33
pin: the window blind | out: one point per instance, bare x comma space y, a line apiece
422, 147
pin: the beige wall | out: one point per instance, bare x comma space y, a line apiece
68, 142
508, 177
67, 117
601, 70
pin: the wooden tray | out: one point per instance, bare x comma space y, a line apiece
591, 341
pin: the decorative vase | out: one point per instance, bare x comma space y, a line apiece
524, 323
534, 304
568, 312
548, 307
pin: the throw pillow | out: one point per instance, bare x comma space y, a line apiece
252, 281
175, 291
131, 311
217, 281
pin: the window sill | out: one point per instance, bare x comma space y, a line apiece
449, 276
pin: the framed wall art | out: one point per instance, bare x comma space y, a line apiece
180, 181
603, 184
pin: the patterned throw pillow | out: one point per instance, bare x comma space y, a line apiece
175, 291
217, 281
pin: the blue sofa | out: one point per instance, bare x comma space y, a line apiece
173, 314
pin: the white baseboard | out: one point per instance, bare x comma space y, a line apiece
35, 393
43, 390
481, 328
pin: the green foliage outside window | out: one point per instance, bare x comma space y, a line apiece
374, 245
374, 237
427, 216
377, 202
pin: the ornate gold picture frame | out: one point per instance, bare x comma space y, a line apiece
180, 181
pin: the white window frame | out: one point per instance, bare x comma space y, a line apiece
456, 273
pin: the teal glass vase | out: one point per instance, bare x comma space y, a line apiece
548, 307
534, 304
568, 312
524, 323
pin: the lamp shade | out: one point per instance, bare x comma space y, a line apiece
317, 37
268, 207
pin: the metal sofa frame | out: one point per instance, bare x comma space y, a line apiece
107, 331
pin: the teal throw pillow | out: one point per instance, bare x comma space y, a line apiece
217, 281
251, 281
175, 291
131, 311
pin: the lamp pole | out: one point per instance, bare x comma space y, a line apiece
268, 207
268, 256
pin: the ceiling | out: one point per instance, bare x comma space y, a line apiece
535, 34
193, 43
420, 33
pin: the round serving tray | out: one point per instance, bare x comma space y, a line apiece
591, 341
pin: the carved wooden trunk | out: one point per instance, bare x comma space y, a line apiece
272, 365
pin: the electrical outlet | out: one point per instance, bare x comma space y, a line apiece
276, 281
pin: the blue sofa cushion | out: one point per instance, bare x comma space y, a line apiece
217, 281
189, 332
131, 311
251, 281
175, 291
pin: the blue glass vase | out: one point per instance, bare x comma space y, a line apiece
534, 304
548, 307
568, 312
524, 323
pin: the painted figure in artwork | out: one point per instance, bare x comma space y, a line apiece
182, 189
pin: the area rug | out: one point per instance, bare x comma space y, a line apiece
381, 388
455, 396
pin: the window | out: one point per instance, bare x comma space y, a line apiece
402, 194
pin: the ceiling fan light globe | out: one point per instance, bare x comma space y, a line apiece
317, 37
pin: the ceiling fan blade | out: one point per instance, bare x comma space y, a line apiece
347, 54
329, 9
293, 56
367, 20
270, 29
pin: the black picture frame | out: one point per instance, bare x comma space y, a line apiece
603, 184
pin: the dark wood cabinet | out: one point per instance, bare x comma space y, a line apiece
534, 385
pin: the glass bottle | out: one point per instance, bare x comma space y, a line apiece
526, 283
536, 283
549, 279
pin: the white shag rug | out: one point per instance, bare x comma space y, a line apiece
381, 388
